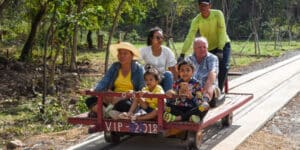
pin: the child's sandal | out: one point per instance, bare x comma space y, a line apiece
168, 117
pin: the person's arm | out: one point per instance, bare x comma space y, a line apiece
139, 77
171, 62
103, 84
174, 72
133, 106
222, 34
190, 36
147, 116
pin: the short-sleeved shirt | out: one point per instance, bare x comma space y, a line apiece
202, 69
152, 102
162, 62
195, 87
123, 84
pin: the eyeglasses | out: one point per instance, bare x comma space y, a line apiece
159, 37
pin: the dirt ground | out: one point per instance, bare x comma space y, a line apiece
282, 132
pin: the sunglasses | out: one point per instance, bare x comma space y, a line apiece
158, 37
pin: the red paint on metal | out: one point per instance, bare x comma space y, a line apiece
154, 127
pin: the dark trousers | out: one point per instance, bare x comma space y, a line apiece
186, 112
123, 105
224, 63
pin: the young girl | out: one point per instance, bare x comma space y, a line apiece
190, 106
149, 105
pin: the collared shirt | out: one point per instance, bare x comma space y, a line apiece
208, 63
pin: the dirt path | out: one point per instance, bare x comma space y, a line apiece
282, 132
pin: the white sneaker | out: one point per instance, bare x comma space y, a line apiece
114, 114
107, 109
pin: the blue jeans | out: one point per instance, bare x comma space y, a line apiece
167, 81
224, 63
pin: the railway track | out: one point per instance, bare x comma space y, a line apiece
272, 87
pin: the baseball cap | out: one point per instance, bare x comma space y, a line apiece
204, 2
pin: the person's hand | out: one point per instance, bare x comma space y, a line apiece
133, 117
82, 92
139, 94
189, 94
180, 58
170, 93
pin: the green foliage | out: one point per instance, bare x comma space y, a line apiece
80, 105
54, 114
133, 36
22, 117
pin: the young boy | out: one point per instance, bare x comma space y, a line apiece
190, 106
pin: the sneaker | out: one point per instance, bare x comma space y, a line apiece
204, 106
92, 129
92, 114
114, 114
107, 109
168, 117
195, 119
217, 92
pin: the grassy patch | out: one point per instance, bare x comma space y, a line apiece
19, 120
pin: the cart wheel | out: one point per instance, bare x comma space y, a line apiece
194, 140
112, 137
227, 120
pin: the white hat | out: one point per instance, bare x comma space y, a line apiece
124, 45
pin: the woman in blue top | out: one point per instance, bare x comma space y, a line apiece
123, 76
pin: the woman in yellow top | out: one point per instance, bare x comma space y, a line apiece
211, 24
123, 76
149, 105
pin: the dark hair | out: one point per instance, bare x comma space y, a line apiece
151, 33
151, 70
91, 101
184, 62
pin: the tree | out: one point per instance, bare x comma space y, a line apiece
73, 65
3, 4
118, 10
255, 19
27, 49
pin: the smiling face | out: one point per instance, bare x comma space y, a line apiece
186, 72
157, 38
200, 49
150, 81
125, 56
